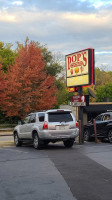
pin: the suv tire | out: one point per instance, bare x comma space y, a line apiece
87, 137
36, 141
17, 142
110, 135
68, 143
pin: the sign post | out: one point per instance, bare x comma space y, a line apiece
80, 73
80, 113
80, 101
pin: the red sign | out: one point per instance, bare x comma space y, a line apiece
78, 98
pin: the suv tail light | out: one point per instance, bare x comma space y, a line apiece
77, 124
45, 126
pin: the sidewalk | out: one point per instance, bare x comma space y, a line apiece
6, 139
6, 131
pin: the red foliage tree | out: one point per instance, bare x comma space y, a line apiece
2, 86
28, 87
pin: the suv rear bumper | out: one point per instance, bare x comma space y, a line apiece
63, 134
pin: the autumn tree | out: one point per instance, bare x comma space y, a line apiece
28, 86
52, 62
2, 86
53, 67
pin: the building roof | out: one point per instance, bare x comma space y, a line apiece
99, 107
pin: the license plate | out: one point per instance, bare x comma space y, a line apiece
62, 127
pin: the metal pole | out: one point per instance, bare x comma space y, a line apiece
94, 123
80, 132
81, 136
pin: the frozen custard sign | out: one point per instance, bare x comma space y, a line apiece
80, 68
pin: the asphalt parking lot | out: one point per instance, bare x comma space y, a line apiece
83, 172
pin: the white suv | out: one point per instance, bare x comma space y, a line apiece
47, 126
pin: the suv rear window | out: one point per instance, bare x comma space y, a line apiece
60, 117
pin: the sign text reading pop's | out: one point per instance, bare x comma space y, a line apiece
77, 63
80, 68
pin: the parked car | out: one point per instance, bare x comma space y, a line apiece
103, 127
47, 126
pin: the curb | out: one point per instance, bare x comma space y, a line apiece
6, 144
6, 135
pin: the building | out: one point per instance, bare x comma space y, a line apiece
95, 109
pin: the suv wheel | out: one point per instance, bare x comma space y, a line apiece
36, 141
110, 136
68, 143
16, 140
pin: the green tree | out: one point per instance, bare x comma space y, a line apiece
52, 65
63, 96
103, 84
7, 56
102, 77
104, 92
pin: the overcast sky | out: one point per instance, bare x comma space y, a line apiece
64, 26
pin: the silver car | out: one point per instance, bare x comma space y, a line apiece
47, 126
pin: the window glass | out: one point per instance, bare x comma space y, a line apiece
98, 118
33, 118
41, 117
106, 117
60, 117
27, 119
